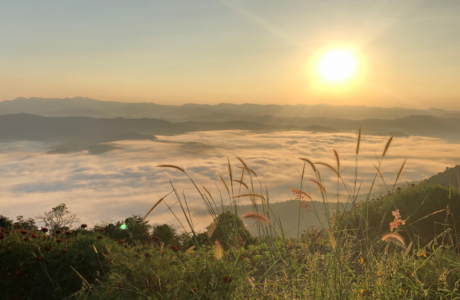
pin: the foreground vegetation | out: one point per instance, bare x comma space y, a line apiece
403, 245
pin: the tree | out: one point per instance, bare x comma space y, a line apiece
166, 233
58, 218
5, 222
229, 230
132, 229
27, 224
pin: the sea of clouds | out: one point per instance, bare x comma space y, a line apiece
117, 184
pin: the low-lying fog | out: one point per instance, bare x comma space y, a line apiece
119, 183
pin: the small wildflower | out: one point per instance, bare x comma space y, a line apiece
421, 253
58, 231
57, 255
155, 238
17, 225
58, 241
107, 251
109, 260
379, 273
361, 261
64, 251
47, 248
44, 229
24, 232
40, 258
7, 232
397, 221
68, 233
102, 230
26, 239
99, 237
148, 255
34, 236
83, 226
68, 241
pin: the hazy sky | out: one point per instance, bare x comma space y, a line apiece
203, 51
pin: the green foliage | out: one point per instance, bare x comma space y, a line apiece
5, 222
135, 231
166, 234
230, 230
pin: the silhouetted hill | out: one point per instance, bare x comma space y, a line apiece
18, 127
81, 106
448, 176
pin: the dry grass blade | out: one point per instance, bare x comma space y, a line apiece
400, 171
171, 166
359, 141
244, 164
95, 250
378, 171
250, 195
242, 183
207, 191
226, 186
433, 213
395, 239
218, 250
337, 158
387, 146
327, 165
250, 170
81, 277
154, 206
309, 162
256, 216
319, 184
189, 250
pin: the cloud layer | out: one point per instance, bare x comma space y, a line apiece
119, 183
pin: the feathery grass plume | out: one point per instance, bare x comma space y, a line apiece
395, 239
319, 184
400, 171
250, 195
242, 183
408, 249
359, 141
309, 162
331, 239
218, 250
337, 158
154, 206
161, 246
327, 165
189, 250
387, 146
226, 186
250, 282
212, 228
256, 216
171, 166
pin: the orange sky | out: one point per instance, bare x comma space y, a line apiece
240, 51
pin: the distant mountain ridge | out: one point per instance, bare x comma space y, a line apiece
86, 107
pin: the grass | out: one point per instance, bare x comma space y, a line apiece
353, 255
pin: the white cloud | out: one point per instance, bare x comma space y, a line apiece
117, 184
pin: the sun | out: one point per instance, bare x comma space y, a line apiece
337, 65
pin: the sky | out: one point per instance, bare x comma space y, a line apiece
253, 51
119, 183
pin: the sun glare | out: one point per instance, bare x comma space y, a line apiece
337, 65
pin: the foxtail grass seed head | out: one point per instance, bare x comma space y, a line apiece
395, 239
256, 216
359, 141
387, 146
